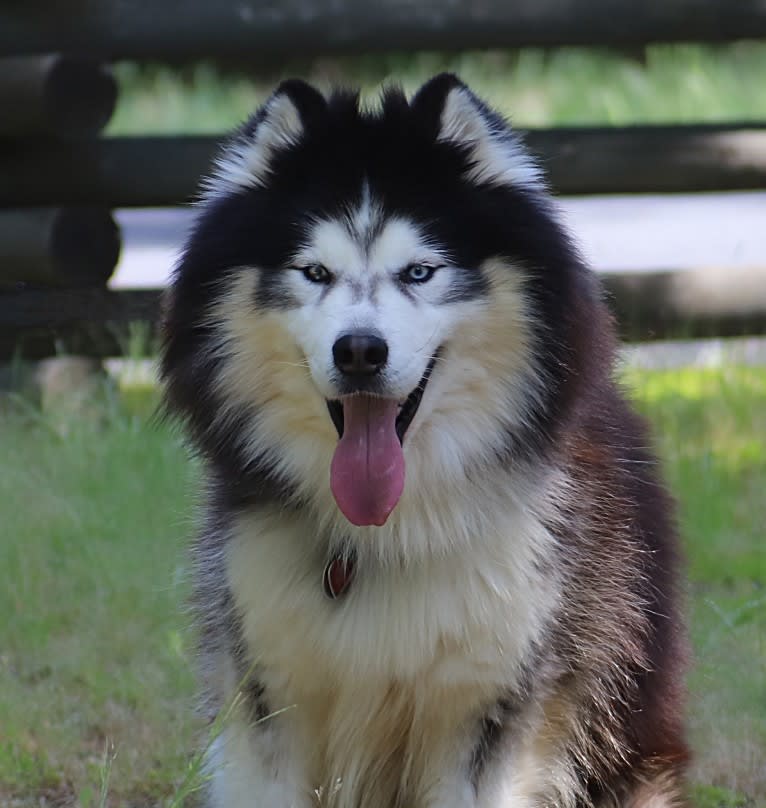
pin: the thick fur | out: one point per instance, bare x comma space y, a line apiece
511, 638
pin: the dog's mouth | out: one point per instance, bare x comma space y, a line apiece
367, 471
407, 408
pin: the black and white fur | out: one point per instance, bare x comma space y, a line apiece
511, 637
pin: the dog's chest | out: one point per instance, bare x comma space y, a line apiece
389, 681
460, 619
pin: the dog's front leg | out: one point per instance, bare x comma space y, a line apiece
256, 766
450, 775
472, 770
453, 792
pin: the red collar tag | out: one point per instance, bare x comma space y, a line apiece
337, 576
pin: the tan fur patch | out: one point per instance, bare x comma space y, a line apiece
662, 791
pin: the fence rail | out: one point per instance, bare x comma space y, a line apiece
253, 30
57, 247
55, 95
147, 171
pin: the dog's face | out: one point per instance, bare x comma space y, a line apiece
369, 296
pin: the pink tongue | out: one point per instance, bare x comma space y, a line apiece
367, 471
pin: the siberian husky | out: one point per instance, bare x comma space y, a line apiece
437, 566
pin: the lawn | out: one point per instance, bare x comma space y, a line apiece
674, 83
96, 688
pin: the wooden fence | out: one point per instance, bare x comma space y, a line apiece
58, 180
253, 30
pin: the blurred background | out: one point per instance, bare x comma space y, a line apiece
650, 120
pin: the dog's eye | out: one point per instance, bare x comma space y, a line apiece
417, 273
316, 273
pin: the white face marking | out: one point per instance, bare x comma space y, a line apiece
366, 217
366, 294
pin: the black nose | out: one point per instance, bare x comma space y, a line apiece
359, 354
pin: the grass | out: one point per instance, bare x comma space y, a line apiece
711, 431
96, 687
676, 83
93, 649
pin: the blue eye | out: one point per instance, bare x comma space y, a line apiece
417, 273
317, 274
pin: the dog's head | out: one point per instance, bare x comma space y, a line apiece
369, 295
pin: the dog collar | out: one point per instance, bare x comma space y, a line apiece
337, 576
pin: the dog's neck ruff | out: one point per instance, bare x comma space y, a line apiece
337, 576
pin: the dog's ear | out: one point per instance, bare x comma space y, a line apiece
245, 162
494, 152
429, 101
307, 101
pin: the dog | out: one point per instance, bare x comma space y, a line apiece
437, 565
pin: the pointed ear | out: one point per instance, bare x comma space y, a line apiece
428, 102
245, 162
495, 153
309, 102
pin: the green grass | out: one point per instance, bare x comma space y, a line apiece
91, 569
677, 83
710, 427
96, 688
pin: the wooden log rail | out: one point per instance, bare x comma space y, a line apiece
86, 322
55, 95
155, 171
54, 101
55, 247
687, 304
253, 29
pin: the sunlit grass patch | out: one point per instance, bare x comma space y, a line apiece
710, 429
535, 87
